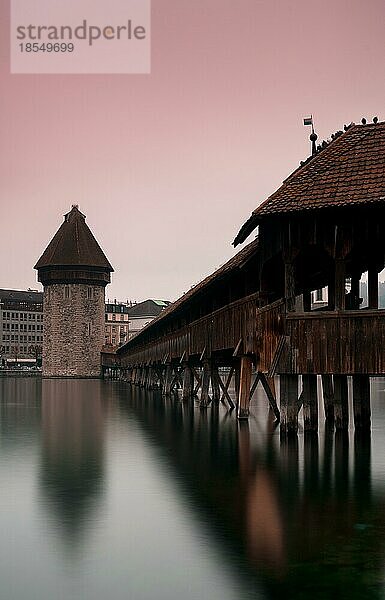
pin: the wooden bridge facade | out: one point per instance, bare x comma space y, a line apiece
253, 319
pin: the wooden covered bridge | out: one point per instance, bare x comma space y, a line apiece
323, 228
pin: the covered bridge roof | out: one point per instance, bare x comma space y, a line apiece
236, 262
350, 170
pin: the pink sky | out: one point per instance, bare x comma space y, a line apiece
168, 166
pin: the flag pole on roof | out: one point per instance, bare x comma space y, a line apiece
313, 135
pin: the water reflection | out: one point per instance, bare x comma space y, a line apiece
20, 416
131, 484
297, 513
71, 472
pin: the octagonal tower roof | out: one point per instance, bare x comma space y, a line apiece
74, 245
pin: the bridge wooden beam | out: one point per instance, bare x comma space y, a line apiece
206, 379
310, 402
361, 401
188, 382
328, 396
243, 395
289, 400
341, 405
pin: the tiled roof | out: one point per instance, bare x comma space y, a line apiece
30, 296
350, 170
74, 245
147, 308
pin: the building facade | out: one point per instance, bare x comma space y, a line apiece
21, 326
74, 272
123, 320
143, 313
117, 326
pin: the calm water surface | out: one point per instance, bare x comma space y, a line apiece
108, 493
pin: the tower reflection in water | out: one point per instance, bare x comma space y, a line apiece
71, 478
299, 514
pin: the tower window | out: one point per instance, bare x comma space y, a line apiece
66, 292
89, 293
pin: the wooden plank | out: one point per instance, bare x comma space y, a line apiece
290, 286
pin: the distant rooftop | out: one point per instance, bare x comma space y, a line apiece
22, 296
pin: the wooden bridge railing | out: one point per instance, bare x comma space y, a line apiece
345, 342
220, 330
260, 330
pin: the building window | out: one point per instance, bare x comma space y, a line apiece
89, 293
66, 292
89, 329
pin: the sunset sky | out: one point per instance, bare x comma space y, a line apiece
168, 166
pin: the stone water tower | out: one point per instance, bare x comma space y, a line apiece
74, 272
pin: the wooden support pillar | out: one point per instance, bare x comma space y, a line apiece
361, 401
289, 286
150, 378
289, 399
328, 396
269, 387
206, 377
237, 379
310, 402
341, 405
372, 288
225, 387
340, 276
167, 381
188, 383
244, 388
216, 391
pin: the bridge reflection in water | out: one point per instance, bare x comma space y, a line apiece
298, 512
